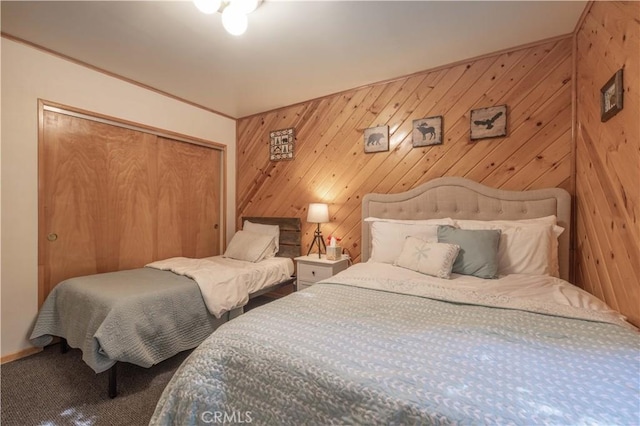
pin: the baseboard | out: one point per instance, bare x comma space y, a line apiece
23, 353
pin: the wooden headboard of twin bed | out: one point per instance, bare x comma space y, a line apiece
290, 233
461, 198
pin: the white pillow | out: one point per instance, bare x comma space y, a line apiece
388, 235
249, 246
260, 228
527, 246
434, 259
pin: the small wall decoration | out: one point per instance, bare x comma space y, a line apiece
489, 122
611, 97
427, 131
376, 139
281, 146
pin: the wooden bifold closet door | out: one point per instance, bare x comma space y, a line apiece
115, 198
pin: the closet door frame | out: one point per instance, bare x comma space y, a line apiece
44, 105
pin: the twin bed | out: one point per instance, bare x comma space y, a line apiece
460, 313
144, 316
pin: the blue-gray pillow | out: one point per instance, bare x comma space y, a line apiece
478, 255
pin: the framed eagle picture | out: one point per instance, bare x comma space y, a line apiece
489, 122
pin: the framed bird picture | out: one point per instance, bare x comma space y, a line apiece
427, 131
489, 122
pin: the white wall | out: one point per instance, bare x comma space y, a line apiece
29, 74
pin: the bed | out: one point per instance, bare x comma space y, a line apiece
146, 315
395, 342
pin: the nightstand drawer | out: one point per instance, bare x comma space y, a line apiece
314, 273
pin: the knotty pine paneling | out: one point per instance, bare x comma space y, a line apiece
330, 165
608, 158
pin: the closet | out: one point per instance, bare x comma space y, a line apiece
115, 196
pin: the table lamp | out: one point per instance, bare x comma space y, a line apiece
318, 213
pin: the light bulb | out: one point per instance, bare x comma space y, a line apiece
234, 21
246, 6
208, 6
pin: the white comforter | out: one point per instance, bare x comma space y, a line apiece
535, 293
226, 283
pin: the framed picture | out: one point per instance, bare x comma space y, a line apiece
489, 122
281, 144
376, 139
427, 131
611, 97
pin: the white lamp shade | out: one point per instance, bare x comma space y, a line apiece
234, 20
318, 213
208, 6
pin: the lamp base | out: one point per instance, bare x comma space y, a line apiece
317, 239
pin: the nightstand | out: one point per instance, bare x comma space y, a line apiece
311, 269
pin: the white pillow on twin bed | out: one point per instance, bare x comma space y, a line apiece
527, 246
261, 228
250, 246
435, 259
388, 235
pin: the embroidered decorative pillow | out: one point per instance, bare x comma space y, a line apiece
388, 235
428, 258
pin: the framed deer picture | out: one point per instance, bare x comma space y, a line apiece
489, 122
427, 131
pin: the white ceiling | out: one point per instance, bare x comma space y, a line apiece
293, 51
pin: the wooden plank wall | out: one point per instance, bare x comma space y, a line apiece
608, 158
330, 165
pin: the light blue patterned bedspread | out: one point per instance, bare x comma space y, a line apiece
142, 316
336, 354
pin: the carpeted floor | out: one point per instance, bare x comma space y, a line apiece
51, 388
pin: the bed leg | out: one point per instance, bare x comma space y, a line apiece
113, 385
64, 346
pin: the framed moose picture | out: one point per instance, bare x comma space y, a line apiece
427, 131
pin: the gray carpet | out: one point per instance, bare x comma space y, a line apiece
51, 388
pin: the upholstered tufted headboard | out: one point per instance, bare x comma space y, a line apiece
461, 198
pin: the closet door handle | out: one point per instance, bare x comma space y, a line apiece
52, 237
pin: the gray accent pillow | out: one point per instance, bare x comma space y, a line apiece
478, 255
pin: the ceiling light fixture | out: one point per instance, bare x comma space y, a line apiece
234, 12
